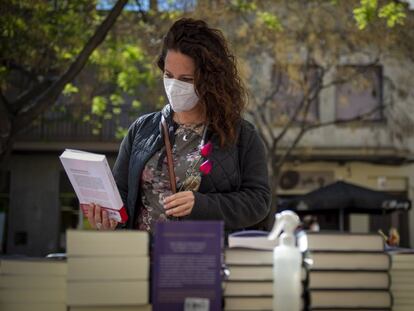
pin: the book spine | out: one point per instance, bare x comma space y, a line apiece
111, 178
122, 211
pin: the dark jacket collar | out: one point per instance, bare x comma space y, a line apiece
168, 113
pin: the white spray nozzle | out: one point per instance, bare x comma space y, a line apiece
286, 221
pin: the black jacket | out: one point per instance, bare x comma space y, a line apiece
236, 190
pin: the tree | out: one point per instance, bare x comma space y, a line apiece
118, 76
35, 55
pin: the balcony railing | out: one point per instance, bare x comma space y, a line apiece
68, 124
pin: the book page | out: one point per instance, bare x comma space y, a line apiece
91, 187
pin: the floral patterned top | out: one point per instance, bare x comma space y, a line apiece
155, 182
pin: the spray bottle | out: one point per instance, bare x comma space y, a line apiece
287, 264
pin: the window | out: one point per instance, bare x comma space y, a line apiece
291, 95
360, 93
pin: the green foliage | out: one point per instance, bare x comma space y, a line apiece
99, 105
244, 5
394, 13
125, 67
70, 89
116, 99
116, 110
271, 21
365, 13
42, 38
128, 78
136, 104
44, 35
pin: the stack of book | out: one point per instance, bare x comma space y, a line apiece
108, 270
402, 280
36, 284
349, 271
249, 260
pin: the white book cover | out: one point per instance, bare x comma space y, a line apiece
93, 182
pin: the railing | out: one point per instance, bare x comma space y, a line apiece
69, 125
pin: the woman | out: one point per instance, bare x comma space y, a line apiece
218, 157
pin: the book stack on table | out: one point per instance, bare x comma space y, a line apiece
249, 260
36, 284
402, 280
349, 272
108, 270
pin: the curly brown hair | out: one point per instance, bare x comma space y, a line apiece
216, 78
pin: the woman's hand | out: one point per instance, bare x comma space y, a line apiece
98, 218
179, 204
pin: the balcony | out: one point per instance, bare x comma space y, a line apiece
74, 127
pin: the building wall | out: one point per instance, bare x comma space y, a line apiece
394, 132
33, 220
398, 99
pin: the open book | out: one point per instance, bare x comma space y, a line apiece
93, 182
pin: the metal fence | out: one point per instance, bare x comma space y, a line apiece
68, 124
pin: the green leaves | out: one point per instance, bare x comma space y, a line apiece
42, 36
128, 78
116, 99
270, 20
392, 12
133, 53
244, 5
136, 104
99, 105
70, 89
365, 13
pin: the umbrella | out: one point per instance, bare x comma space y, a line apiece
349, 198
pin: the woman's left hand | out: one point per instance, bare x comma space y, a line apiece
179, 204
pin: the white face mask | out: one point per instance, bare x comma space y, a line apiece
181, 95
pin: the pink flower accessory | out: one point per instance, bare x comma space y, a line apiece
206, 150
205, 167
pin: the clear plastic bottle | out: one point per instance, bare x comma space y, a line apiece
287, 264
